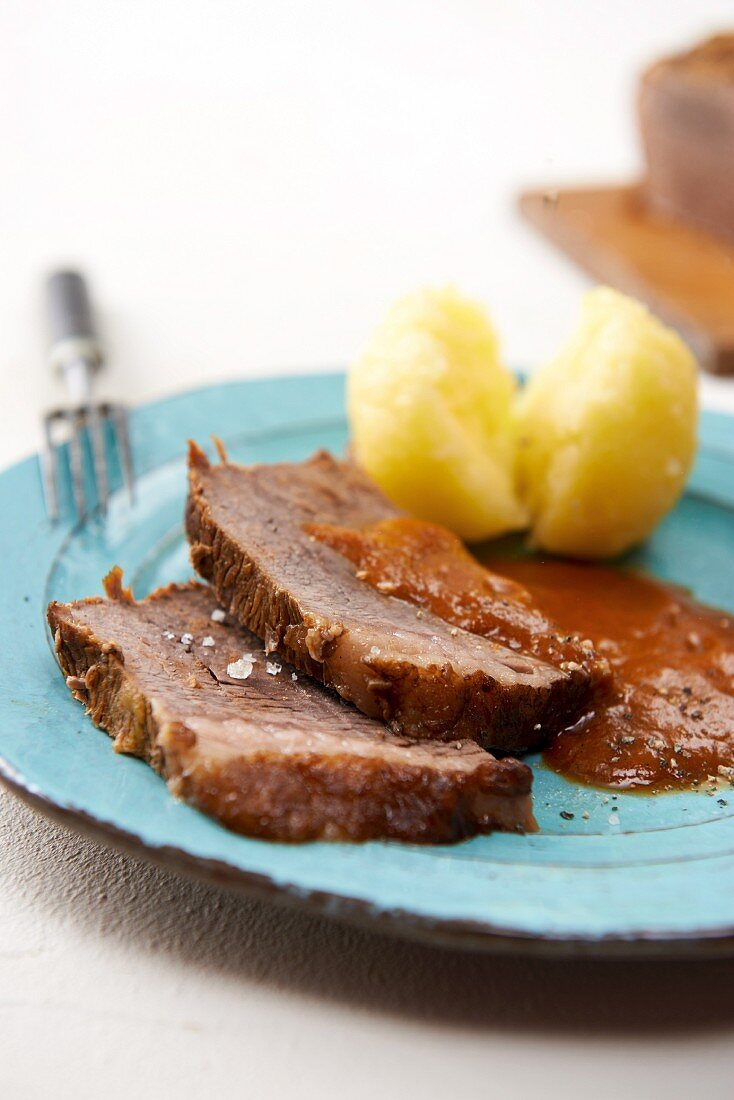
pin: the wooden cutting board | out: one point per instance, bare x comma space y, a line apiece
685, 275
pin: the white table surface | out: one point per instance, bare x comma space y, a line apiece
248, 185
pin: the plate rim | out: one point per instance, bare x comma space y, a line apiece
360, 912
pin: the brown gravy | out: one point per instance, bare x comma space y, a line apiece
661, 714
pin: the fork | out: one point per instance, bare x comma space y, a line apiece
76, 353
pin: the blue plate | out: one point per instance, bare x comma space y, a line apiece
641, 873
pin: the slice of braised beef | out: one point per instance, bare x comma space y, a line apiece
396, 662
266, 751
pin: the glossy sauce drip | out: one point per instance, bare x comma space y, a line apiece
661, 712
429, 566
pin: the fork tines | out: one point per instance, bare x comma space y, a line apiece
73, 423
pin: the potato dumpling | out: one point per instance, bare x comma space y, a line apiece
607, 431
429, 409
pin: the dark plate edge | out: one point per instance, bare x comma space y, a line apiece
453, 934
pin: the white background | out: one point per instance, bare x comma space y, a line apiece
249, 185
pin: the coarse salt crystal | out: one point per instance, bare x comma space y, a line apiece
217, 615
294, 675
241, 669
272, 668
375, 651
169, 634
187, 639
208, 640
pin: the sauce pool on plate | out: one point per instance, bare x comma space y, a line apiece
665, 718
661, 709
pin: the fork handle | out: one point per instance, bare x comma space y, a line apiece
72, 334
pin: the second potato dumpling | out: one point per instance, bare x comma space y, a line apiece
607, 431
